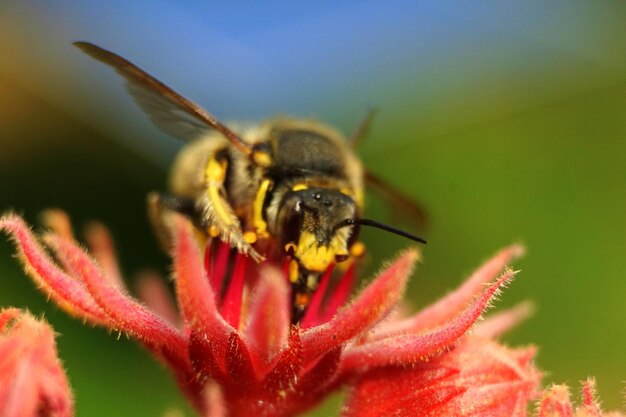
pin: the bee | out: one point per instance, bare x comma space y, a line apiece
290, 189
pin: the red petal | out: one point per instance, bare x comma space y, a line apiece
218, 266
321, 377
591, 407
556, 402
371, 306
231, 306
477, 378
152, 290
239, 365
98, 239
448, 306
195, 295
407, 349
268, 326
103, 250
128, 314
341, 293
284, 375
204, 362
32, 381
71, 295
313, 316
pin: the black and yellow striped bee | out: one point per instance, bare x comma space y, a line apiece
290, 187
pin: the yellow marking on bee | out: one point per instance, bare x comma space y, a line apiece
346, 191
314, 257
250, 236
358, 197
293, 271
213, 231
257, 207
262, 159
215, 173
357, 250
215, 170
299, 186
220, 210
311, 282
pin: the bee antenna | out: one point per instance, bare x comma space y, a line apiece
381, 226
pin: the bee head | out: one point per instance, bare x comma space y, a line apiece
308, 219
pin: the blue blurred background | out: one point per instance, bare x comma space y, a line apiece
506, 120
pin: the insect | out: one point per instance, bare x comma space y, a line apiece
287, 188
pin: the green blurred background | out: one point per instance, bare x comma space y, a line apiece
506, 121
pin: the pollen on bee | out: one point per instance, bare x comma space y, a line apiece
213, 231
250, 236
357, 250
302, 299
293, 271
262, 158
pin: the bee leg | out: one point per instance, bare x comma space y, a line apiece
157, 204
218, 214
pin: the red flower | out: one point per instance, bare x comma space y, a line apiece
234, 351
32, 381
555, 402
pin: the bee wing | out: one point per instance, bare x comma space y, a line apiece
400, 203
170, 111
167, 116
363, 128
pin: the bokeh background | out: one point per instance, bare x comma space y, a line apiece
506, 120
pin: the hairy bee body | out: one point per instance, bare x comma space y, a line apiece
306, 151
285, 208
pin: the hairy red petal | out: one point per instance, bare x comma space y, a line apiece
71, 295
32, 380
407, 349
313, 314
152, 290
556, 402
239, 364
231, 306
195, 295
218, 265
341, 293
448, 306
284, 375
371, 306
102, 248
129, 315
268, 327
477, 378
321, 377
